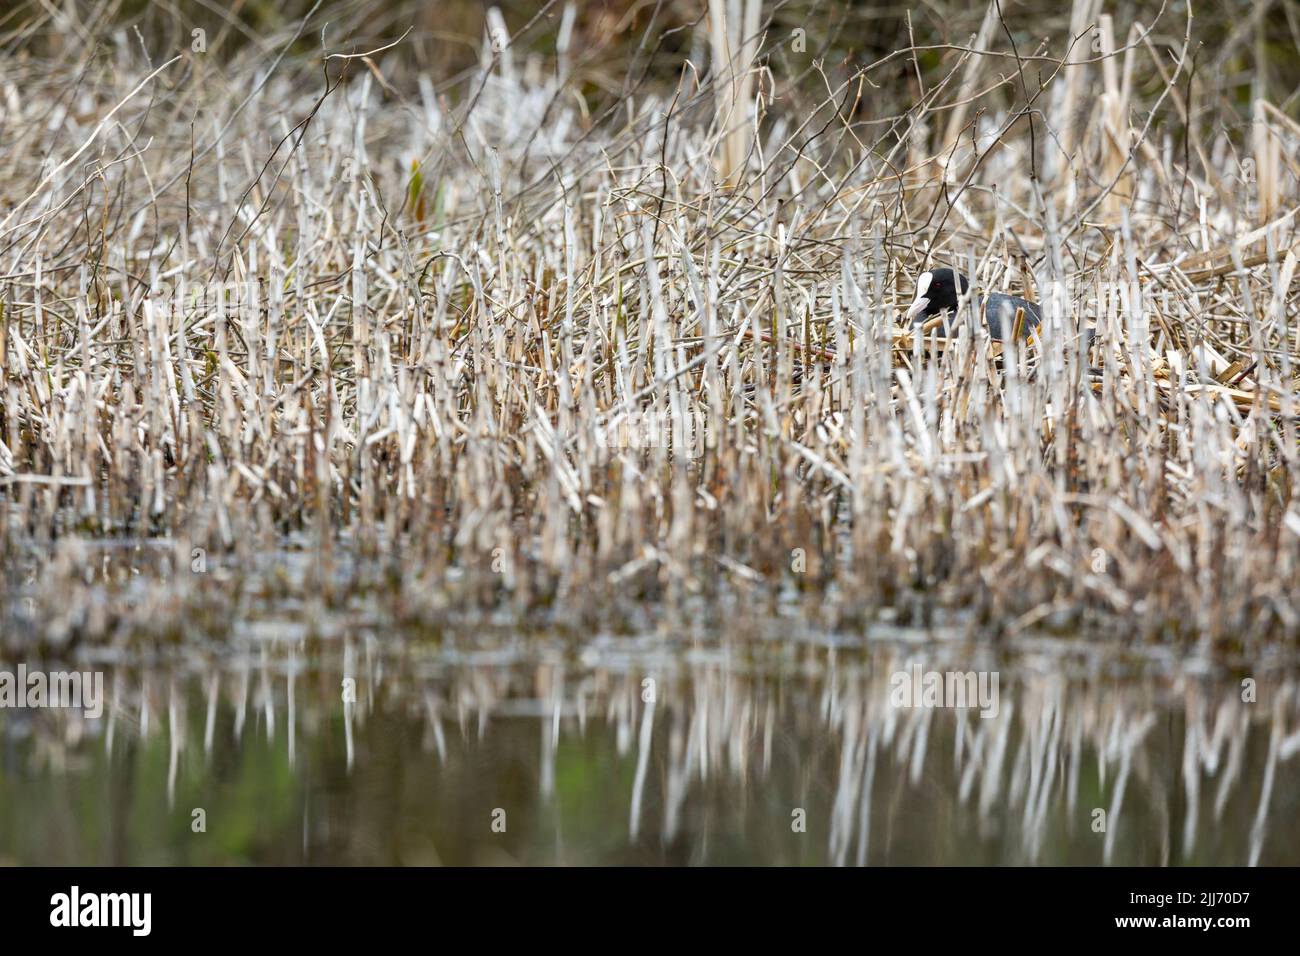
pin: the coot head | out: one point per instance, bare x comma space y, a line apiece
937, 291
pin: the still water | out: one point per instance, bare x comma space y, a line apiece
375, 748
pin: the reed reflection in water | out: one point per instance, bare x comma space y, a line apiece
623, 754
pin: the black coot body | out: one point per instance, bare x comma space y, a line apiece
937, 292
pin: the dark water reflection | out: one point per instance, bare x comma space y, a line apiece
734, 750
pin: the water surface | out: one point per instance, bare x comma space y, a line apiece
383, 748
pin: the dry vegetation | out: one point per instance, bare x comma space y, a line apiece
299, 298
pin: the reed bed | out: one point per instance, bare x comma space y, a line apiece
299, 319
